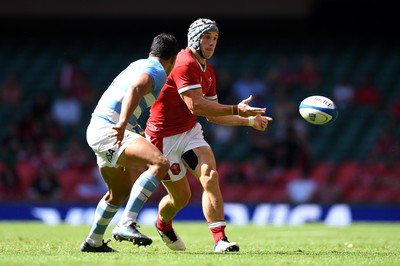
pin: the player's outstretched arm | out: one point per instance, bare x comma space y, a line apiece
200, 106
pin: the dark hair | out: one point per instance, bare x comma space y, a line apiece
164, 45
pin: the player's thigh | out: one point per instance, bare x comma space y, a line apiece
139, 154
206, 161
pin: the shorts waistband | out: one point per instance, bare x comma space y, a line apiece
131, 127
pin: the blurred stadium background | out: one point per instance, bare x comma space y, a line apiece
56, 60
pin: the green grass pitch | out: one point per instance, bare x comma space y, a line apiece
310, 244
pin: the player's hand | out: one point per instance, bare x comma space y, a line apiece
118, 134
261, 122
244, 109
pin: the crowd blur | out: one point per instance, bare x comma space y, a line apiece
45, 157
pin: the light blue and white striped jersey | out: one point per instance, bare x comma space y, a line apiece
109, 105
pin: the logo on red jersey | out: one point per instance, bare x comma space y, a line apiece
210, 81
175, 168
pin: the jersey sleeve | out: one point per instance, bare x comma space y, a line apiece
187, 77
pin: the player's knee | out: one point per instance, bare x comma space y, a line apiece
163, 164
116, 199
181, 202
160, 166
209, 181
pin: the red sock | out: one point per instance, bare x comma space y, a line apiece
217, 230
164, 226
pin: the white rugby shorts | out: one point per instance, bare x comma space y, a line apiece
174, 147
107, 153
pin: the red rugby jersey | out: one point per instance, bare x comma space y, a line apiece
169, 115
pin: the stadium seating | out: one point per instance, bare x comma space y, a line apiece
341, 146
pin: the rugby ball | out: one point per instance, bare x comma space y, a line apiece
318, 110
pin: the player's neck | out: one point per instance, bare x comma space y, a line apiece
199, 59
